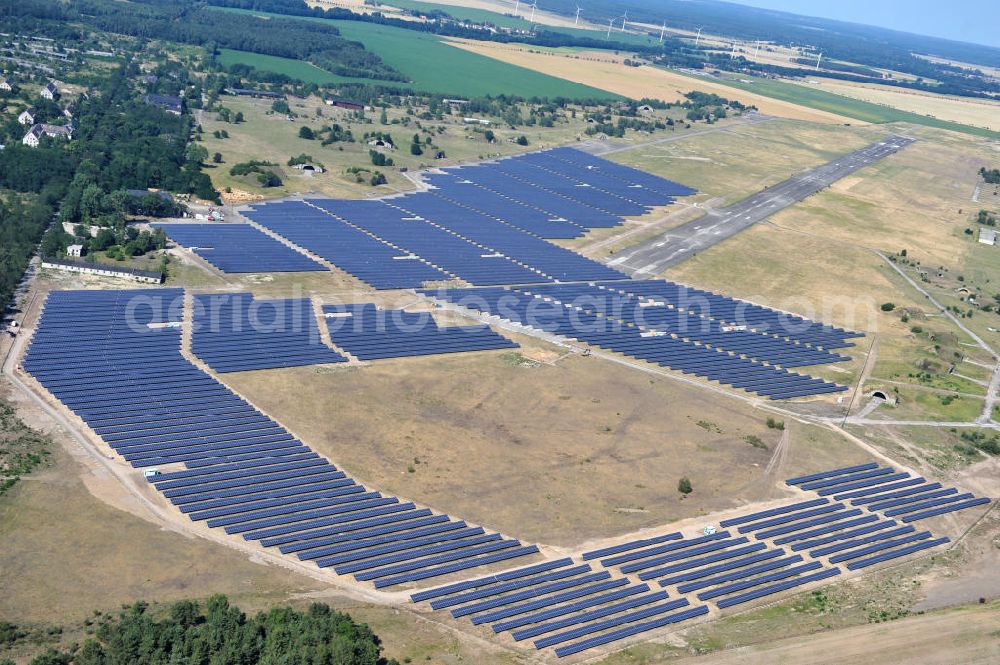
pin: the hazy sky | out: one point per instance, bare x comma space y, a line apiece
964, 20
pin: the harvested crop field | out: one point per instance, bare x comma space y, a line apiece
637, 82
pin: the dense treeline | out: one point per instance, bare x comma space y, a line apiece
991, 176
23, 219
188, 22
125, 145
221, 634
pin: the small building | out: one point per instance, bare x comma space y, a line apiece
382, 143
50, 91
456, 102
344, 103
646, 109
476, 121
70, 111
35, 134
150, 79
987, 236
102, 270
310, 168
74, 250
439, 154
7, 85
27, 116
168, 103
248, 92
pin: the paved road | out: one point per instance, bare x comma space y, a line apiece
655, 255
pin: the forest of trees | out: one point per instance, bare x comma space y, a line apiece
188, 22
220, 634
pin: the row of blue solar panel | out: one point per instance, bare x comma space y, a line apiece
368, 333
239, 248
242, 472
669, 351
234, 332
589, 607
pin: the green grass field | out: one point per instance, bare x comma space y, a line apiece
297, 69
852, 108
432, 65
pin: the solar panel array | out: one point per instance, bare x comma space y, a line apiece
725, 567
233, 332
238, 470
486, 224
885, 491
239, 248
349, 248
368, 333
561, 604
663, 331
612, 593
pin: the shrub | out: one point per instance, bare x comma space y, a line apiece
684, 486
888, 306
306, 133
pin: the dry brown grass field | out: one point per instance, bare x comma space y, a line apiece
637, 82
965, 110
520, 446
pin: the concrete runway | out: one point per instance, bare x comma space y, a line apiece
653, 256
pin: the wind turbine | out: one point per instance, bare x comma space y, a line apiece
610, 23
517, 3
534, 6
732, 56
698, 37
624, 20
662, 30
577, 21
818, 58
756, 50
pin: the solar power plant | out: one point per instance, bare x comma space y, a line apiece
692, 344
351, 249
737, 312
233, 332
466, 194
238, 470
483, 177
561, 604
884, 491
239, 248
485, 224
551, 261
474, 263
369, 333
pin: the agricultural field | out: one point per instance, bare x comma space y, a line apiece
298, 69
982, 113
598, 70
419, 56
857, 109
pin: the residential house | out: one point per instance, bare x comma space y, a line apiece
35, 134
7, 85
27, 116
168, 103
50, 91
